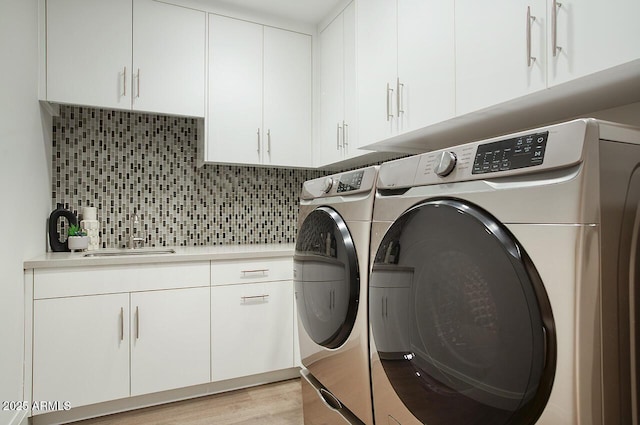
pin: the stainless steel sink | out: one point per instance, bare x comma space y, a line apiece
127, 252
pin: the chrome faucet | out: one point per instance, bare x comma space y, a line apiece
132, 232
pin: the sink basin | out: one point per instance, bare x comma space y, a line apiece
127, 252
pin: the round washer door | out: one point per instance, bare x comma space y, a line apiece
460, 318
326, 278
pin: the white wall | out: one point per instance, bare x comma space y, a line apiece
24, 182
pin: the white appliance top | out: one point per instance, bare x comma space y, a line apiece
530, 151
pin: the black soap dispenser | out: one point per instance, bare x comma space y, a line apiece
55, 241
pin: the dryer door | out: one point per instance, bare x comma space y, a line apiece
326, 278
460, 318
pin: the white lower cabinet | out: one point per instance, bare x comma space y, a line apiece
92, 349
105, 333
81, 349
169, 339
251, 329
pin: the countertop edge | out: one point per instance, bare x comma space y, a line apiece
183, 254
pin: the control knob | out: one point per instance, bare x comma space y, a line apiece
327, 185
445, 163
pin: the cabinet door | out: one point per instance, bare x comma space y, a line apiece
351, 138
376, 35
287, 98
234, 122
89, 52
170, 339
332, 117
81, 349
491, 52
168, 58
426, 63
389, 311
592, 36
251, 329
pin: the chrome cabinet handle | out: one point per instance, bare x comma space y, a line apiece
262, 271
399, 102
253, 297
338, 128
389, 111
258, 140
137, 323
345, 134
121, 324
138, 93
554, 27
530, 19
269, 141
124, 82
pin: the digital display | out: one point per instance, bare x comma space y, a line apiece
511, 154
350, 181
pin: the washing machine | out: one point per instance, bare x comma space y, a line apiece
331, 264
504, 281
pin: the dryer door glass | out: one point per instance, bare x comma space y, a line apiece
327, 283
460, 319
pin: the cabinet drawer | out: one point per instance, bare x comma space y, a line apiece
251, 329
243, 271
52, 283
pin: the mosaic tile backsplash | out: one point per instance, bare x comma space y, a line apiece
124, 162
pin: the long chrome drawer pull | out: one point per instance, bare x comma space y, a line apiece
254, 297
263, 271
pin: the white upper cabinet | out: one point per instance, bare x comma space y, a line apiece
426, 63
89, 45
142, 54
338, 139
376, 37
287, 98
521, 47
259, 95
405, 56
330, 144
591, 36
168, 58
234, 122
500, 53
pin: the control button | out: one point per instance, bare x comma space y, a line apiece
445, 163
327, 185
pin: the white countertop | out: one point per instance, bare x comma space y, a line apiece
182, 254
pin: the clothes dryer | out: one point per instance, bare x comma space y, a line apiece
331, 264
504, 281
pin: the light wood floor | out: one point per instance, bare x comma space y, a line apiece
273, 404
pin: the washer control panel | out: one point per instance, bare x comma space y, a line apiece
510, 154
350, 181
344, 185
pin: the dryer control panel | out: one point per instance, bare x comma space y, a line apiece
510, 154
533, 151
343, 184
